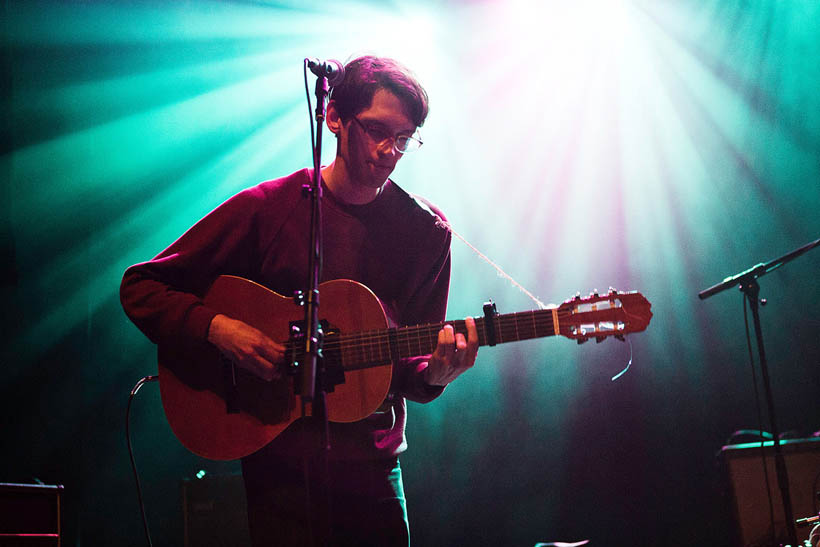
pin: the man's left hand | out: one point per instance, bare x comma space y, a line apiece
454, 354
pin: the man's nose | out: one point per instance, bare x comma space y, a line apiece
387, 147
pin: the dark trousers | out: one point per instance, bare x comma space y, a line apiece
352, 503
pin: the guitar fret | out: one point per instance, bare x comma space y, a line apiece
407, 339
546, 324
525, 330
481, 330
518, 327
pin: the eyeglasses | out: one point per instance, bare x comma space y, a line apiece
401, 143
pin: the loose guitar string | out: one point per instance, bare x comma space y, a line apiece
366, 350
441, 223
447, 226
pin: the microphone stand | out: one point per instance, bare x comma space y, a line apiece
312, 387
747, 282
313, 334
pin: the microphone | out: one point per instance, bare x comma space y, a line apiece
331, 69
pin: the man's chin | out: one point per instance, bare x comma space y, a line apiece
380, 175
374, 177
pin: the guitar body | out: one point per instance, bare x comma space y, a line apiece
222, 412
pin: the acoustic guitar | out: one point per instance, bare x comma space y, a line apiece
222, 412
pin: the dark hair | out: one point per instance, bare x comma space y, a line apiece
366, 75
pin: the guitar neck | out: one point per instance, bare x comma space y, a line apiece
366, 349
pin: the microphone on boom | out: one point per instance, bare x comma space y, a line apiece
331, 69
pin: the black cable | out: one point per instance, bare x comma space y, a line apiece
310, 112
131, 452
759, 421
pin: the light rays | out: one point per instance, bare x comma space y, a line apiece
648, 145
579, 134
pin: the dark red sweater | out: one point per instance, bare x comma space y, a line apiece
392, 245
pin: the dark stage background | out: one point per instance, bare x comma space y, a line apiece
657, 146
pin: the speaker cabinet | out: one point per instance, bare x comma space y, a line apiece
29, 514
214, 511
750, 502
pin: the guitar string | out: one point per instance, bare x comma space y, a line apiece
423, 340
371, 342
509, 326
509, 329
362, 354
440, 222
369, 346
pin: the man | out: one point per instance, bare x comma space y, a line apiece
374, 233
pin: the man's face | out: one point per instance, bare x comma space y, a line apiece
369, 161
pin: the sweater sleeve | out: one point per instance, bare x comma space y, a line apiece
163, 296
428, 305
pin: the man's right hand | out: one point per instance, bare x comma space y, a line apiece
247, 347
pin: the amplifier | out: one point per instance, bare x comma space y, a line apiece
30, 514
750, 502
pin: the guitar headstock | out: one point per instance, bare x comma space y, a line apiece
599, 316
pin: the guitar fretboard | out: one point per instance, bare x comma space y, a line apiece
372, 348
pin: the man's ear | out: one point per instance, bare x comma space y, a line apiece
334, 122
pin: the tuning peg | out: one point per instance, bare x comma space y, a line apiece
595, 293
613, 290
577, 296
620, 337
582, 340
599, 339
